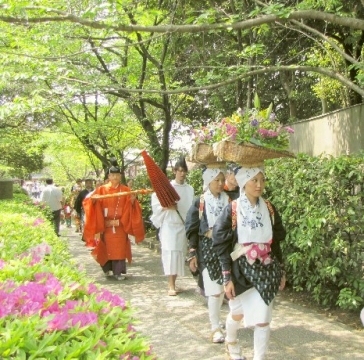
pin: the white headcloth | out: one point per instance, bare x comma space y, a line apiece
245, 174
210, 174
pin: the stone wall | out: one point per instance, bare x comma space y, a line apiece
337, 133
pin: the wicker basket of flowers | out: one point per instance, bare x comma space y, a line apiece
247, 137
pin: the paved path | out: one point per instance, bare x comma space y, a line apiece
178, 327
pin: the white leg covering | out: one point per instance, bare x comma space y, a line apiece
214, 305
232, 328
261, 339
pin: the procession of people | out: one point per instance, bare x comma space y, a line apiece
228, 235
234, 238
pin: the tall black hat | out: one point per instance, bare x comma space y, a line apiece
114, 169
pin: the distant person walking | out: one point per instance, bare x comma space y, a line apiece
75, 190
53, 197
78, 202
67, 211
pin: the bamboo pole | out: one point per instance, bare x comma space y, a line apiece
124, 193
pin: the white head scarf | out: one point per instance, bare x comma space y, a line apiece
210, 174
245, 174
213, 205
253, 222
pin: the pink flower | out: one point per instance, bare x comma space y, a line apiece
289, 129
92, 288
267, 133
71, 304
51, 282
59, 322
52, 309
38, 221
149, 352
35, 260
83, 318
114, 300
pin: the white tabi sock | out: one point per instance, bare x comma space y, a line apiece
261, 339
214, 305
232, 328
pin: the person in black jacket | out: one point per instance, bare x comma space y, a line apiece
199, 222
247, 238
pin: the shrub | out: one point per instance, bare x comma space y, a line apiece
321, 203
47, 307
194, 178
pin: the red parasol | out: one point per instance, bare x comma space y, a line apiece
166, 193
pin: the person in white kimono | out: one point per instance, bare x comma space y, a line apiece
170, 222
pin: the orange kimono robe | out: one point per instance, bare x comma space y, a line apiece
114, 243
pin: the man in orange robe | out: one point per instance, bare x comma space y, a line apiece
113, 218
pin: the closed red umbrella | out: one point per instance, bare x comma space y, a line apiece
165, 192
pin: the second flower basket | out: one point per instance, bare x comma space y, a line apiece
203, 154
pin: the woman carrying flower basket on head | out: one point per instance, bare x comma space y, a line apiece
247, 239
200, 219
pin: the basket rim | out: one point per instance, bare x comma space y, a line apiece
259, 147
247, 154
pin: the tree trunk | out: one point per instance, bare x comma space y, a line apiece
324, 105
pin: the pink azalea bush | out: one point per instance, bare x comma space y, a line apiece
256, 126
47, 307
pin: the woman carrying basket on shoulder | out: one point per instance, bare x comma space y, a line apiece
247, 239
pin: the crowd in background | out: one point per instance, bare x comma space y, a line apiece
70, 207
34, 188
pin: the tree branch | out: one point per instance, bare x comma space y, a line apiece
327, 72
264, 19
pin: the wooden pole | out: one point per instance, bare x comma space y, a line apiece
124, 193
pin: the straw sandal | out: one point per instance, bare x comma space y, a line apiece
108, 274
233, 351
217, 337
119, 277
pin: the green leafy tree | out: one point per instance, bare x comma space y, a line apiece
176, 63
